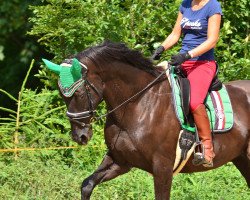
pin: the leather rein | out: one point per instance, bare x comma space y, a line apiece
76, 117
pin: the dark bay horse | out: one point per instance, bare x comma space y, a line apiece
143, 131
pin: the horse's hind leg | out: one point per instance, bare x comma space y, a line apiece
243, 164
106, 171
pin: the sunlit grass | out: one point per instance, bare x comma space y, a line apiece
31, 177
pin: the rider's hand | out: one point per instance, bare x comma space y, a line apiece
157, 53
179, 58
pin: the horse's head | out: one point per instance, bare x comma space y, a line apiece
81, 95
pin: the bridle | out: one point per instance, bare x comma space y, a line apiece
77, 116
69, 92
91, 112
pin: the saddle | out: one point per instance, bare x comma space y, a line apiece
184, 86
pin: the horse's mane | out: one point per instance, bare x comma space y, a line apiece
111, 51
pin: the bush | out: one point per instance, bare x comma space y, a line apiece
66, 27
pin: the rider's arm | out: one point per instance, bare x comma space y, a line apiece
212, 36
175, 35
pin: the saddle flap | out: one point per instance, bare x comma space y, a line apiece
185, 95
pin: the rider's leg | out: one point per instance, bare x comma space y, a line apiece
204, 131
200, 75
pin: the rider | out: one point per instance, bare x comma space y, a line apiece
199, 21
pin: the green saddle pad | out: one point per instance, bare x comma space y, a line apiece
219, 108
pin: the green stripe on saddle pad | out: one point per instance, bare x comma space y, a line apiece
219, 108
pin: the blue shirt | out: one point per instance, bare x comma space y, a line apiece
194, 26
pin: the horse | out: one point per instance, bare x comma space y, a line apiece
141, 128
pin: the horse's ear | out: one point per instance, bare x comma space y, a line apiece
52, 66
76, 69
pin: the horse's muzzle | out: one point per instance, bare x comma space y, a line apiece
82, 136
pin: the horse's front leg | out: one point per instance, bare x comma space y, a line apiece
106, 171
163, 176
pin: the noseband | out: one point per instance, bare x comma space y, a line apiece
76, 117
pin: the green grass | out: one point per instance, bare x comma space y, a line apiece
49, 177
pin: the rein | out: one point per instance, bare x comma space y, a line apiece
94, 119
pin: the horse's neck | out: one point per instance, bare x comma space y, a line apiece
122, 84
123, 81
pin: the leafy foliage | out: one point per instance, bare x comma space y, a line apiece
16, 47
142, 25
64, 31
233, 47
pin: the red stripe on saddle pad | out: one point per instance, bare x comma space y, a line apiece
221, 114
219, 110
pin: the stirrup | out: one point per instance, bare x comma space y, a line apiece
199, 156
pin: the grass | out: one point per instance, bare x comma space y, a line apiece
48, 177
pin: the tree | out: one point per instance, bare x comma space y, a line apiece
16, 47
233, 47
66, 27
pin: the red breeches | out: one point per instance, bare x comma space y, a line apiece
200, 75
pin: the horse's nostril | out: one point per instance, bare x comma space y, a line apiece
82, 136
84, 139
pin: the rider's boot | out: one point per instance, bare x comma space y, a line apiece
204, 131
